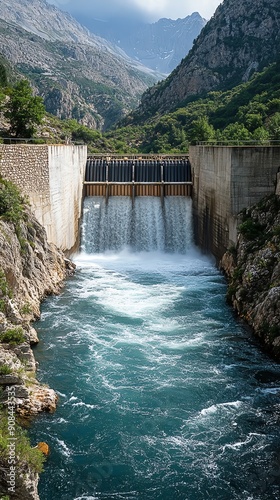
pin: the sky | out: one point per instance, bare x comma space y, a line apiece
147, 10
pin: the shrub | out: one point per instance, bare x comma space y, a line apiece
12, 207
11, 202
250, 229
13, 336
5, 370
26, 309
4, 289
25, 454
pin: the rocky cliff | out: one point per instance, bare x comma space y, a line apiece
253, 272
241, 38
79, 74
30, 269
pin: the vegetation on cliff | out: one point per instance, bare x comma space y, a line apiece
248, 112
253, 271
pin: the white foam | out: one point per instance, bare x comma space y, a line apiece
73, 398
269, 390
118, 293
220, 406
86, 405
63, 448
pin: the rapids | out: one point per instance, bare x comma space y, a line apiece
163, 394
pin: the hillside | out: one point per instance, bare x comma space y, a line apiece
160, 46
79, 75
241, 38
247, 112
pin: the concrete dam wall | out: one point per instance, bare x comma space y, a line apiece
226, 180
52, 177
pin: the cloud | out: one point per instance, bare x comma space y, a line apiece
150, 10
103, 9
178, 8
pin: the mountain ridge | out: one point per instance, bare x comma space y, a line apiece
229, 49
160, 45
78, 74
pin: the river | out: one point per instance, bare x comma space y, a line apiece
163, 393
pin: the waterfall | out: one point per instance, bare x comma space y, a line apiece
145, 225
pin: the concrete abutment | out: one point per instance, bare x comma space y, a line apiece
227, 179
52, 177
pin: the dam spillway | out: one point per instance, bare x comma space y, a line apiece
143, 225
138, 176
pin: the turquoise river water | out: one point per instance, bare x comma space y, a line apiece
163, 394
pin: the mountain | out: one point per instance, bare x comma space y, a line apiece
160, 46
79, 75
241, 38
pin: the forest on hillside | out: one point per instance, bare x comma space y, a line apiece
247, 113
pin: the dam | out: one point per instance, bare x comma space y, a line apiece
162, 393
221, 181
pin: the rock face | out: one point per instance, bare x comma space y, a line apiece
160, 46
79, 74
30, 269
26, 485
253, 272
241, 38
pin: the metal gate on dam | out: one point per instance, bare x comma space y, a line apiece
139, 175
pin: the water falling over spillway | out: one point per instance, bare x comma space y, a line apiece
146, 224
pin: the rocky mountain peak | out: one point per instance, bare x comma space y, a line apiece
241, 38
160, 45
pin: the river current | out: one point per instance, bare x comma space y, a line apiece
163, 394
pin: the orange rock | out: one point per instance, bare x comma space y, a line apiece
44, 448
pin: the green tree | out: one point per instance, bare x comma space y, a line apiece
24, 110
253, 121
274, 127
201, 130
3, 75
236, 132
261, 134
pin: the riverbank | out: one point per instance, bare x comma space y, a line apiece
252, 269
30, 269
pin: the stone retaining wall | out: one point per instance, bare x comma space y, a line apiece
52, 177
